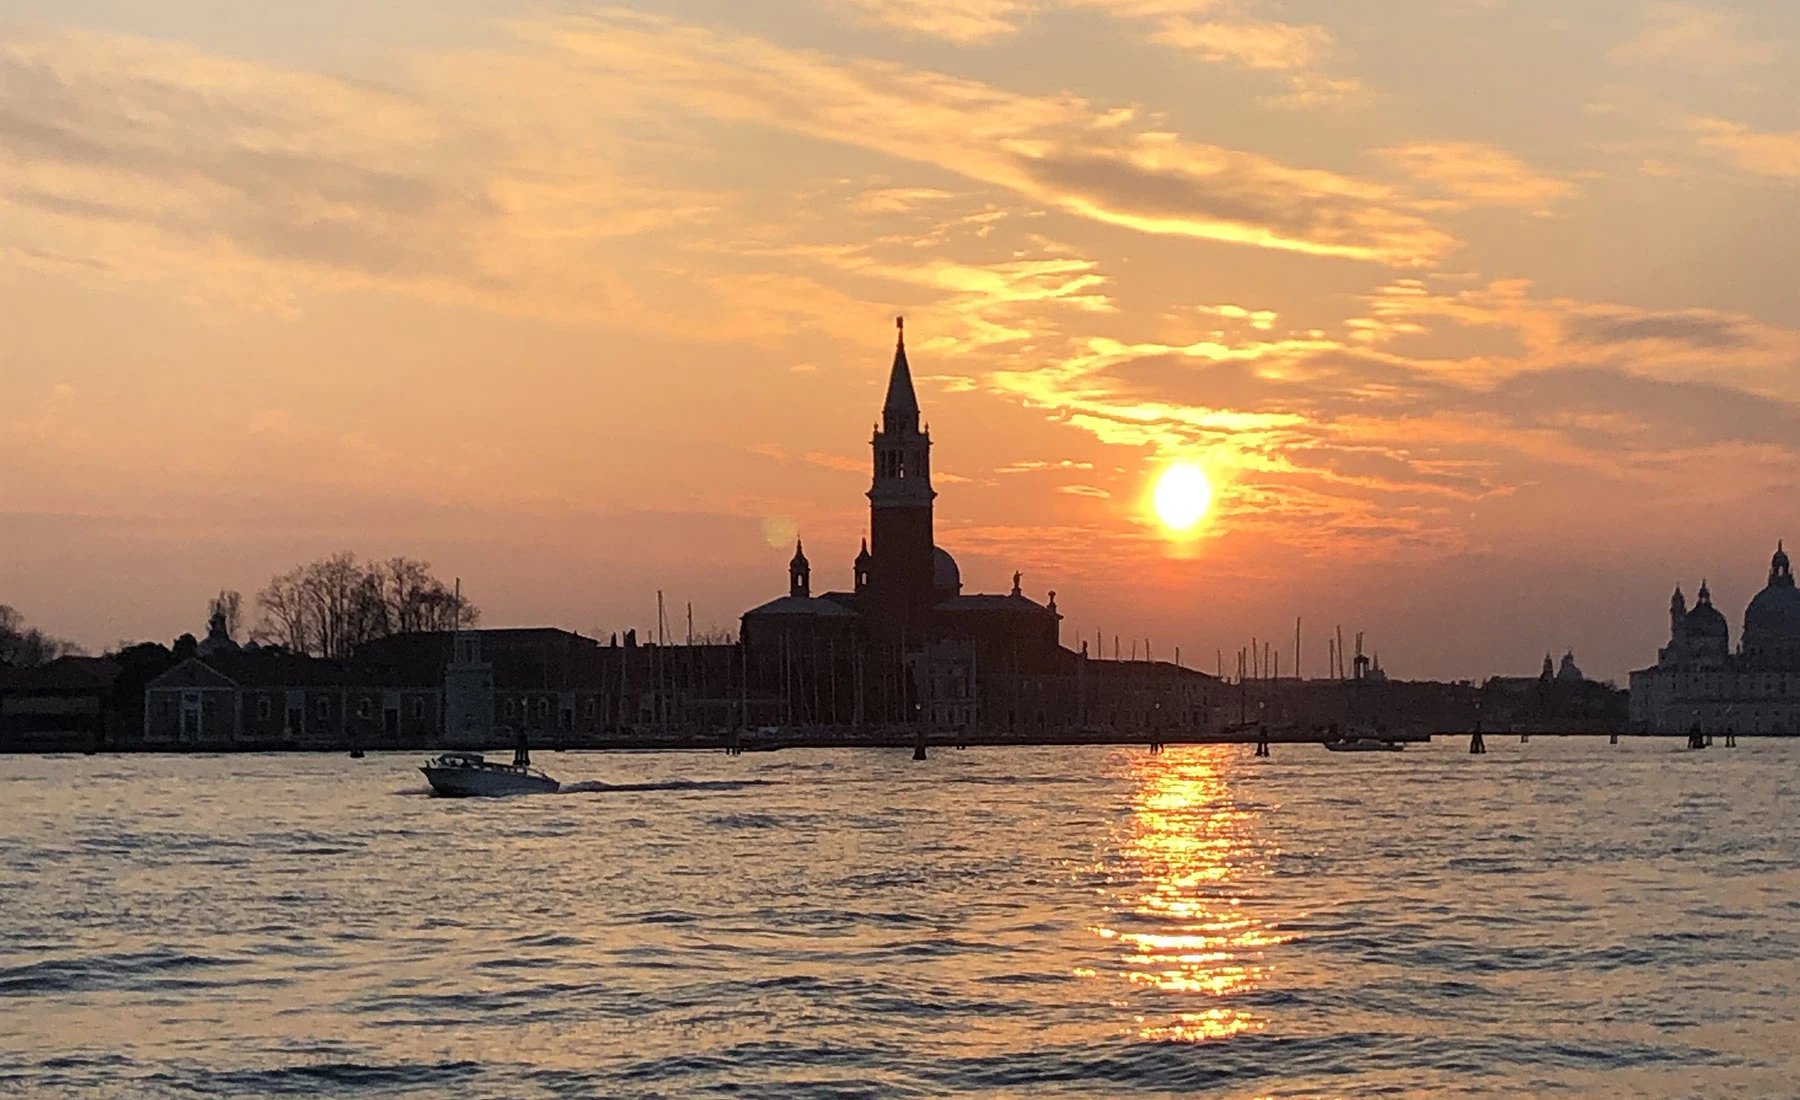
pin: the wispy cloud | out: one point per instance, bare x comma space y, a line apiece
1762, 153
1473, 173
1695, 38
1295, 51
1108, 165
235, 180
962, 21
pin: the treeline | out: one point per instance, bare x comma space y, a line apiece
329, 607
24, 646
324, 608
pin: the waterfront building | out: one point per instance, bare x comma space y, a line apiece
59, 705
906, 644
269, 698
1700, 683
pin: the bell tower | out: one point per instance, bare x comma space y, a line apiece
900, 502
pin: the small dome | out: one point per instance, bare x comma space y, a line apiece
1705, 619
1569, 672
944, 573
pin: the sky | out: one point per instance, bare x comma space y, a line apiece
1482, 316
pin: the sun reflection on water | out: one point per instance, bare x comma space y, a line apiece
1178, 916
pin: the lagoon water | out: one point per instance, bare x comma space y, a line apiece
1562, 917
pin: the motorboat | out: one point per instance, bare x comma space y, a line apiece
1363, 744
471, 775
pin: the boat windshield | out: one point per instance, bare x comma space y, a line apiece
455, 759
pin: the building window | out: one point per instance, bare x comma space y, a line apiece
323, 707
543, 708
587, 708
362, 708
509, 708
418, 708
262, 709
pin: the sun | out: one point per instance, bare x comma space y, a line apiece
1183, 496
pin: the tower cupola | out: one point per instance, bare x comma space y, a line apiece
799, 574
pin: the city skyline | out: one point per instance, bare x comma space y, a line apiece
582, 303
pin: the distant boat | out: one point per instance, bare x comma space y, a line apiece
471, 775
1363, 744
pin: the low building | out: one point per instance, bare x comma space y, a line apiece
61, 705
1699, 684
267, 698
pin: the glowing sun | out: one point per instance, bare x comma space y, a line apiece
1183, 495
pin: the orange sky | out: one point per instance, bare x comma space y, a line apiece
1484, 315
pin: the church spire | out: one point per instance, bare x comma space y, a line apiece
900, 412
799, 574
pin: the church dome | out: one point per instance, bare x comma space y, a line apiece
1772, 620
945, 576
1705, 620
1774, 611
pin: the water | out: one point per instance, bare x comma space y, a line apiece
1564, 917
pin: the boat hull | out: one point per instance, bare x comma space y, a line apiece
1364, 746
481, 783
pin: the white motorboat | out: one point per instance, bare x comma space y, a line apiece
471, 775
1363, 744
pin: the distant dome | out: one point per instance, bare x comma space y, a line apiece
1705, 620
944, 573
1774, 611
1772, 621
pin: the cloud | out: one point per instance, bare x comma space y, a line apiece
1763, 153
1474, 173
1061, 151
154, 162
1295, 51
963, 21
1386, 444
1695, 38
1217, 31
1702, 345
891, 200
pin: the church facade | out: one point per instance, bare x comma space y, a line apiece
1699, 683
906, 644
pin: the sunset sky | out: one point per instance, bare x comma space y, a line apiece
1483, 316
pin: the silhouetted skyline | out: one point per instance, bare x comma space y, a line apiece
1480, 318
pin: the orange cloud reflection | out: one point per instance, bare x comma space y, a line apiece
1179, 921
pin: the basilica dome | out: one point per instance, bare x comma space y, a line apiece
1772, 621
945, 576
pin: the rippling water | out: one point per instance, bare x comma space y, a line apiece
1559, 917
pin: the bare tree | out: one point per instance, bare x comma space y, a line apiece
26, 646
329, 607
281, 609
417, 601
227, 606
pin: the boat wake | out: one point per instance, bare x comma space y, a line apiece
594, 786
